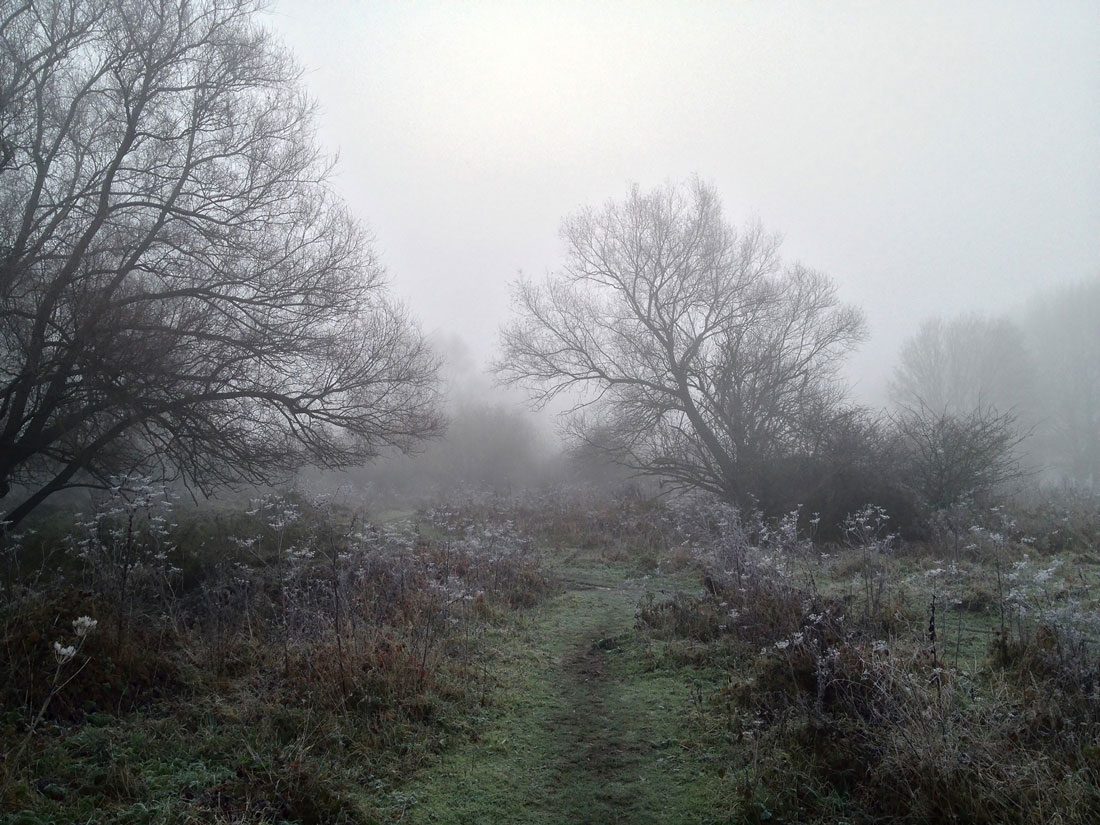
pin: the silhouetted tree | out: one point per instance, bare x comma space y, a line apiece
180, 292
698, 356
949, 457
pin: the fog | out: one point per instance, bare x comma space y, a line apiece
933, 158
560, 411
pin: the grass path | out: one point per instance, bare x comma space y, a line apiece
586, 725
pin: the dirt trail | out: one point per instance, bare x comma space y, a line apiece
584, 728
604, 755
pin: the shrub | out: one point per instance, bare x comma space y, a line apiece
293, 642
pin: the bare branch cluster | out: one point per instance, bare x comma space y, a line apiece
951, 457
179, 288
688, 349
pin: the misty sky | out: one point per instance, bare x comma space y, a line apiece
931, 157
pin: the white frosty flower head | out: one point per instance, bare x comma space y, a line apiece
797, 638
84, 625
782, 644
1043, 576
63, 653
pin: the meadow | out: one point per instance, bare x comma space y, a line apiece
549, 657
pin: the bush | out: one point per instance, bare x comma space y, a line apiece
293, 644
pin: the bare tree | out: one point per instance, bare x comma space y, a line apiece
689, 350
180, 291
950, 457
964, 364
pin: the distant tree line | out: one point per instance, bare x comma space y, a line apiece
1039, 368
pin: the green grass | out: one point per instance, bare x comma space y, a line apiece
575, 715
587, 725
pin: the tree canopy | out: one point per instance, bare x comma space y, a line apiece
181, 293
688, 348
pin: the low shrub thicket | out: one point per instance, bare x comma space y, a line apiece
873, 681
299, 651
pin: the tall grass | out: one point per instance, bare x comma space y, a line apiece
302, 649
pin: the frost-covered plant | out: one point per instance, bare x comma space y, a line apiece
1041, 597
17, 581
866, 531
125, 545
63, 655
732, 541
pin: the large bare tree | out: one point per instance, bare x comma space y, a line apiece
688, 349
180, 291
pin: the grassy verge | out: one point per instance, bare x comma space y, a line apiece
590, 723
